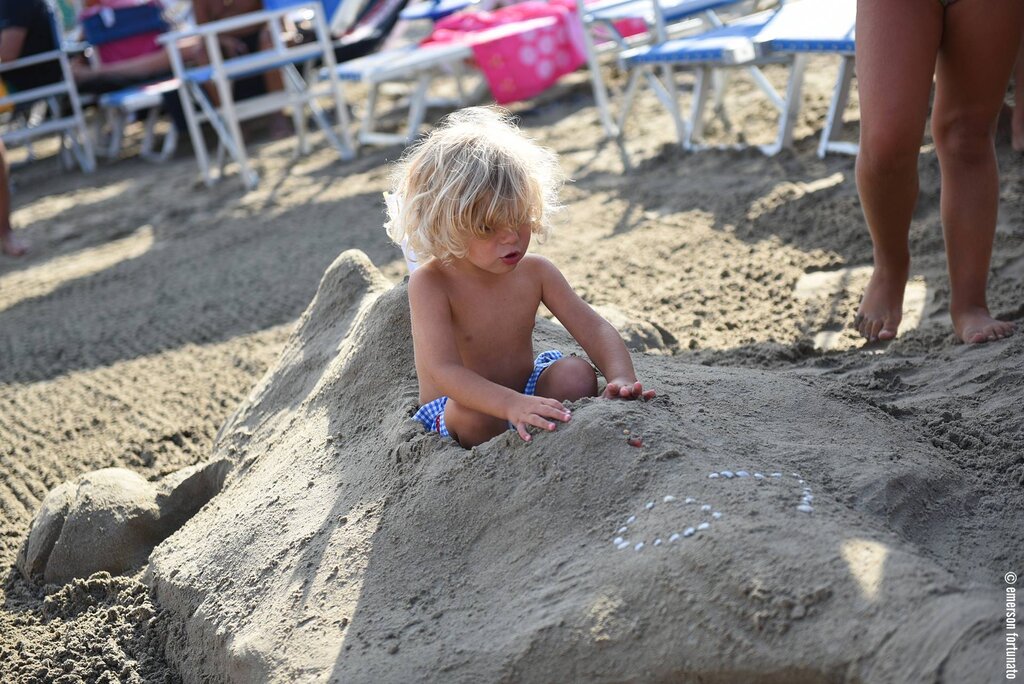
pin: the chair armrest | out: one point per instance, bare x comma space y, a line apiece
232, 23
588, 8
31, 60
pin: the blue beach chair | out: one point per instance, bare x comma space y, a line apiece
664, 19
807, 27
299, 93
788, 36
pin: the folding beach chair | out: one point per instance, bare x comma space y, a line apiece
122, 33
421, 65
785, 36
806, 27
42, 111
299, 92
601, 34
728, 46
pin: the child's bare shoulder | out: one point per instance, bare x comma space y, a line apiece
538, 265
427, 280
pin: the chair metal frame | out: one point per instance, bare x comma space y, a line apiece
779, 37
49, 119
665, 19
419, 64
298, 92
789, 35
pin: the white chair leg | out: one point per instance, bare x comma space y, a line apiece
149, 133
191, 94
368, 123
791, 107
700, 99
628, 98
834, 120
418, 106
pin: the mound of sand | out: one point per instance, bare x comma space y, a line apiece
349, 545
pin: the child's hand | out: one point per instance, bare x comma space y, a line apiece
526, 410
624, 389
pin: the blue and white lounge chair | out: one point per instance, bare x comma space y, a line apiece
806, 27
725, 47
299, 92
786, 36
45, 107
418, 64
664, 19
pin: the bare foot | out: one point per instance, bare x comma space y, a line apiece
881, 308
976, 325
12, 246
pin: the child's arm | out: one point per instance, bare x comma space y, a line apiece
438, 356
596, 335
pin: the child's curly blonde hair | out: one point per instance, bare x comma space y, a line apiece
473, 174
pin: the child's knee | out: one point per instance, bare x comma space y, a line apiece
568, 379
470, 427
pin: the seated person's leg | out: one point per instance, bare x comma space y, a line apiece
470, 428
568, 379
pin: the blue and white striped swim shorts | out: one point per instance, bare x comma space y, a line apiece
431, 414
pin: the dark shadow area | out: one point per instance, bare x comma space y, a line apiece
245, 274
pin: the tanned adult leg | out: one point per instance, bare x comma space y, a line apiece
9, 244
897, 43
979, 46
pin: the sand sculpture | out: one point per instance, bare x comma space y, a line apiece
109, 520
346, 545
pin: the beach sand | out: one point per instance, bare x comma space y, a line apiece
151, 306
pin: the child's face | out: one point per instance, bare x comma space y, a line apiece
501, 251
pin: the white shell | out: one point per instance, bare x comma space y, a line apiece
623, 545
802, 482
622, 530
618, 540
805, 508
776, 475
669, 499
649, 505
688, 532
639, 545
689, 499
674, 537
630, 520
796, 475
808, 498
742, 473
728, 474
703, 526
758, 476
706, 507
713, 476
716, 515
657, 542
